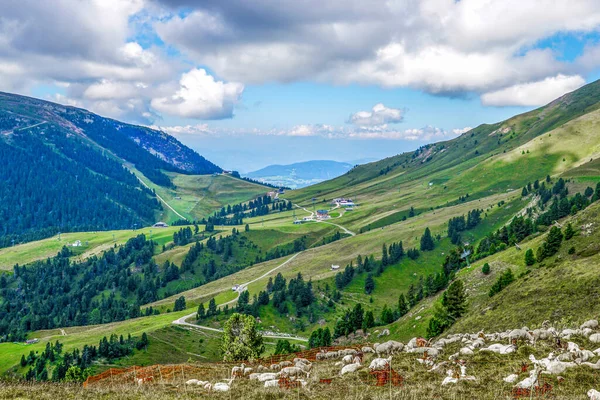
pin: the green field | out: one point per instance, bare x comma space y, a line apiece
92, 243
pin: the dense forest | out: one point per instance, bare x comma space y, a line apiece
54, 183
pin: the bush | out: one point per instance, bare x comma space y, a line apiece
529, 257
572, 250
503, 281
485, 269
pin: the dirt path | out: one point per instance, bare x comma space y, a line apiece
183, 320
163, 200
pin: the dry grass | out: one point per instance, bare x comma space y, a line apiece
488, 368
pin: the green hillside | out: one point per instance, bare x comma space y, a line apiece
518, 176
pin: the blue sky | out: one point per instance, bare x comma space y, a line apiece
248, 84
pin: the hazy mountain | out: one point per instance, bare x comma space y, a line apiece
301, 174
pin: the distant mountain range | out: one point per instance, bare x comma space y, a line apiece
301, 174
67, 169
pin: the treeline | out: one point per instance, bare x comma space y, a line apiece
521, 227
460, 224
234, 215
389, 256
60, 292
295, 296
44, 192
74, 366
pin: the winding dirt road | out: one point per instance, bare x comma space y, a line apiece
183, 320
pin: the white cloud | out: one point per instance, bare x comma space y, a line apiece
200, 96
425, 134
379, 115
533, 93
441, 46
460, 131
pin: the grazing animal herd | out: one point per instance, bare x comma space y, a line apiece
568, 355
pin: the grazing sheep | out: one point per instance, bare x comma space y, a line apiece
286, 364
330, 355
500, 348
238, 371
254, 376
450, 378
261, 368
591, 324
275, 367
222, 386
293, 371
208, 386
347, 359
389, 347
594, 338
350, 368
346, 352
247, 371
531, 380
439, 368
593, 394
519, 334
552, 366
465, 351
379, 364
367, 349
273, 383
267, 376
192, 382
511, 378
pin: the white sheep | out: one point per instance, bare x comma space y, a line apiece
367, 349
350, 368
238, 371
222, 386
593, 394
379, 364
272, 383
347, 359
511, 378
500, 348
591, 324
293, 371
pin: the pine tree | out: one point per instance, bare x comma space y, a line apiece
454, 300
384, 256
402, 305
212, 307
369, 321
201, 314
569, 232
427, 241
485, 269
369, 284
524, 192
529, 257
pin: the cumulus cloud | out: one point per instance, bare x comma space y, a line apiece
201, 96
533, 93
379, 115
444, 47
460, 131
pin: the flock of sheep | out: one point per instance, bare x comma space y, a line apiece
453, 369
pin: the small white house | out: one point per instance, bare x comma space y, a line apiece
335, 267
76, 243
235, 288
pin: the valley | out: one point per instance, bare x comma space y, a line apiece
419, 221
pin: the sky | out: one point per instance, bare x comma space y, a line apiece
249, 83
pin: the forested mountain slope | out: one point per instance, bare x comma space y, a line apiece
64, 169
